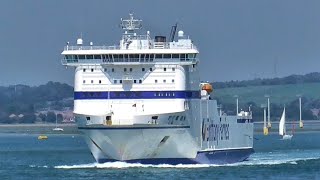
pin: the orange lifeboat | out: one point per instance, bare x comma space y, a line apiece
207, 87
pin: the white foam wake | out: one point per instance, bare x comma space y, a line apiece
274, 158
119, 165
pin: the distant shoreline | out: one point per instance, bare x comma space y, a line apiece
71, 128
39, 128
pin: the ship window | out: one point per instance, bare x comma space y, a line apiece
120, 56
84, 81
158, 56
105, 69
115, 81
82, 56
167, 56
68, 56
99, 81
150, 69
97, 56
120, 81
172, 81
109, 56
182, 57
84, 70
125, 69
134, 81
173, 69
143, 69
147, 57
116, 57
130, 69
112, 69
181, 118
89, 56
193, 65
164, 69
156, 81
88, 118
164, 81
91, 81
175, 56
140, 81
91, 70
177, 118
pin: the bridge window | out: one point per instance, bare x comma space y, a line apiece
91, 81
120, 81
150, 69
158, 56
125, 69
91, 70
84, 70
140, 81
182, 57
89, 56
130, 69
173, 69
112, 69
97, 56
164, 69
175, 56
167, 56
172, 81
164, 81
84, 81
156, 81
135, 81
143, 69
99, 81
105, 69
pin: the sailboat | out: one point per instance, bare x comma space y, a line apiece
282, 127
57, 128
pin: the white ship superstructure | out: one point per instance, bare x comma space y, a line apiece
142, 101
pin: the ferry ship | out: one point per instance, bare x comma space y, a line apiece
142, 101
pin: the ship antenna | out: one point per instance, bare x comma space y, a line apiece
173, 32
131, 24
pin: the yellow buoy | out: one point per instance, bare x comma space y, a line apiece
301, 124
42, 137
265, 131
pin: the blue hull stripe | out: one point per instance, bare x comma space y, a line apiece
137, 95
207, 157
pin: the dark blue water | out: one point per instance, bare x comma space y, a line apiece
23, 156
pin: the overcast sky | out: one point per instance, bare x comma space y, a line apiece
237, 39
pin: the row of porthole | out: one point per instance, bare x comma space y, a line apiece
130, 69
134, 81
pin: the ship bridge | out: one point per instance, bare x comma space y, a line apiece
133, 49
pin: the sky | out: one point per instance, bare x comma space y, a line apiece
237, 39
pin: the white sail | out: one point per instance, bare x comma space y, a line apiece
282, 126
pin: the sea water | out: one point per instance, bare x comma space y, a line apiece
23, 156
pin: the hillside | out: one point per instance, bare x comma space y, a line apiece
279, 94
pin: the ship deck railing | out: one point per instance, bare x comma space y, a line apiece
152, 45
129, 61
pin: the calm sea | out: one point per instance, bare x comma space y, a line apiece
23, 156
